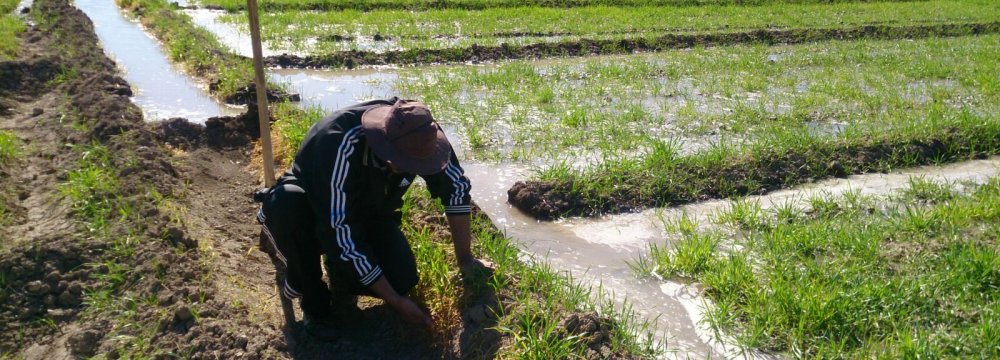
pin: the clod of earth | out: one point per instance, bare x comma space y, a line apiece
248, 95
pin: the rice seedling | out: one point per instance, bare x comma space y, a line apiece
917, 279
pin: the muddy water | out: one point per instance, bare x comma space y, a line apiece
335, 89
234, 38
160, 89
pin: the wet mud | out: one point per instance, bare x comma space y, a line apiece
220, 132
686, 182
248, 95
586, 47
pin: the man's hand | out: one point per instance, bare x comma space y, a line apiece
412, 313
473, 267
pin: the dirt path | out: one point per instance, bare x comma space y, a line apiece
220, 215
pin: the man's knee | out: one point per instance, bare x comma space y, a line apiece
404, 280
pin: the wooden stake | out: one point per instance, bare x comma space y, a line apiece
262, 108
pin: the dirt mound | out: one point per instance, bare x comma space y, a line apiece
248, 95
539, 199
28, 76
592, 330
221, 132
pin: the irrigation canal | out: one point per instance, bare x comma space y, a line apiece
594, 251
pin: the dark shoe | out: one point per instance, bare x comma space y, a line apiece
321, 329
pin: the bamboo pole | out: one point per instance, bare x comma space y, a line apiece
287, 308
262, 106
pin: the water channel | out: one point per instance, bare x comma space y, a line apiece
594, 251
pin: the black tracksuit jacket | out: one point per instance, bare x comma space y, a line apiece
349, 188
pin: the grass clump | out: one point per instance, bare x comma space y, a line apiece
10, 150
10, 147
10, 27
92, 188
914, 280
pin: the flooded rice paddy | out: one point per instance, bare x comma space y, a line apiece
595, 251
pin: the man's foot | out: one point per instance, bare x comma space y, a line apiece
323, 329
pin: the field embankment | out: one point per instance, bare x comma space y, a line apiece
99, 263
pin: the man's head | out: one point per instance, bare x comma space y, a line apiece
406, 135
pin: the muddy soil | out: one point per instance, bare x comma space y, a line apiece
66, 92
194, 284
587, 47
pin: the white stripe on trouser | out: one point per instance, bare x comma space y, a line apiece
290, 292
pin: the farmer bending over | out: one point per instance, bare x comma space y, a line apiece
342, 197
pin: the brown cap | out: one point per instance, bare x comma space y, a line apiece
406, 134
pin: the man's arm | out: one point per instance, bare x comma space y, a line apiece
412, 313
452, 187
461, 235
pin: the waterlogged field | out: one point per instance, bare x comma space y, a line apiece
321, 32
910, 275
716, 100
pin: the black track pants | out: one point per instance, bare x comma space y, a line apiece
288, 225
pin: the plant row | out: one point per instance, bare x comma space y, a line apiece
318, 33
589, 47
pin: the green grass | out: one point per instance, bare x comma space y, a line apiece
366, 5
858, 277
10, 27
92, 187
313, 32
534, 297
10, 150
10, 147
